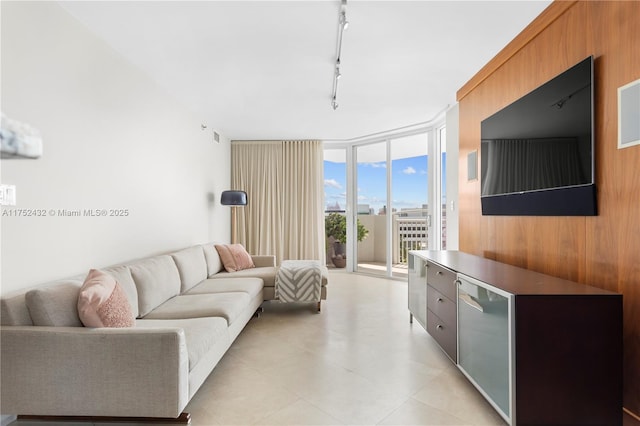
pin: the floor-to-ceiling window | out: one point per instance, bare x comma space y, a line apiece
335, 201
442, 138
391, 194
409, 193
371, 207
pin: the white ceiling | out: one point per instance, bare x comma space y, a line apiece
264, 69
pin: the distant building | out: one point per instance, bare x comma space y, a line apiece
365, 209
334, 208
414, 211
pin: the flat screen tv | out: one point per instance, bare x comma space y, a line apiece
537, 154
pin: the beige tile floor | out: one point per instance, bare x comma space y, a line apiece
359, 362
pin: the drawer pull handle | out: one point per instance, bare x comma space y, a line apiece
439, 327
439, 273
439, 300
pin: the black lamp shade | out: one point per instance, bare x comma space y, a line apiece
233, 198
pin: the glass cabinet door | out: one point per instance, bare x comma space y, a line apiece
418, 288
484, 341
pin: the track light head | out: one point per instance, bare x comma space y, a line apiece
342, 26
343, 20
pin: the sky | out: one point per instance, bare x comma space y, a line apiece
408, 183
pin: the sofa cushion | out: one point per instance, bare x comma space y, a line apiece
55, 305
267, 273
226, 305
13, 309
251, 286
103, 303
214, 264
192, 266
263, 260
234, 257
122, 274
157, 280
201, 334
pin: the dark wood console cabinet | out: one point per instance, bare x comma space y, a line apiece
542, 350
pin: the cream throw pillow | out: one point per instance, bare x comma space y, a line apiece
103, 303
234, 257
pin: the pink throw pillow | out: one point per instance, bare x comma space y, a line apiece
226, 257
103, 303
234, 257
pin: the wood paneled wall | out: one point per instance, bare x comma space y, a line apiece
604, 250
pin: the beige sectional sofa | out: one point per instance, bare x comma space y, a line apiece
188, 312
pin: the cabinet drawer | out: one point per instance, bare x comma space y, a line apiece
445, 334
441, 305
442, 279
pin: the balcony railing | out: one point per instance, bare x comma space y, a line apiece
410, 233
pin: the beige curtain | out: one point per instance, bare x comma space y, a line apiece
284, 184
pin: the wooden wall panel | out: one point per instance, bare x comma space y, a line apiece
470, 235
615, 246
603, 251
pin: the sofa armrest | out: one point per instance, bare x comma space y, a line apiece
263, 260
79, 371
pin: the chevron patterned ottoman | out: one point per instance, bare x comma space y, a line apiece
300, 281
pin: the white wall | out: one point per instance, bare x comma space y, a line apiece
113, 139
453, 161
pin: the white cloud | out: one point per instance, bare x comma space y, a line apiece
380, 164
336, 197
332, 183
405, 204
409, 171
